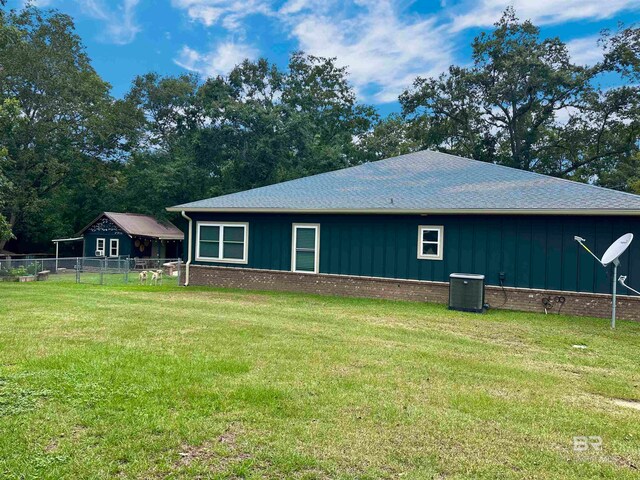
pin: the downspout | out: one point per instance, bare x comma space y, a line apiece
189, 247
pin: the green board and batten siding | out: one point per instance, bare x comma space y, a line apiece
533, 251
91, 239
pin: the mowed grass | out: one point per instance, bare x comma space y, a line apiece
170, 382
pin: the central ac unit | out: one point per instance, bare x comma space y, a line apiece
466, 292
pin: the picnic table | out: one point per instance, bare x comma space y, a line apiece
145, 263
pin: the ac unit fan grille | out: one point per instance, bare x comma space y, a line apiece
466, 292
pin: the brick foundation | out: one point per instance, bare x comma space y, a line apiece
585, 304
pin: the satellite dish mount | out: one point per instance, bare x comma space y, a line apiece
612, 255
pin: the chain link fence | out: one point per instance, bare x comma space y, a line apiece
26, 269
124, 270
93, 270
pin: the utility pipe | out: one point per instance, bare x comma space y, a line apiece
622, 281
189, 247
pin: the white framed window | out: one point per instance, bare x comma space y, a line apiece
114, 247
100, 247
222, 242
305, 248
430, 242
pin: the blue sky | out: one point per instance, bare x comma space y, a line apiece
384, 43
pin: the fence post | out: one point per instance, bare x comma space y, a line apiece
77, 269
126, 270
179, 270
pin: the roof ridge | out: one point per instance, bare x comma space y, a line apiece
130, 213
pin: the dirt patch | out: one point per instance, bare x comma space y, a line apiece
218, 455
52, 446
623, 462
635, 404
189, 453
228, 437
77, 431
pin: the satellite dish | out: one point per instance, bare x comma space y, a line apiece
617, 248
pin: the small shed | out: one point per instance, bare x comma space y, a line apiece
131, 234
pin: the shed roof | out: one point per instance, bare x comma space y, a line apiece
136, 224
426, 182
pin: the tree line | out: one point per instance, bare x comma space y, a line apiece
70, 150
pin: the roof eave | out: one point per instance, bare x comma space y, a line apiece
172, 236
387, 211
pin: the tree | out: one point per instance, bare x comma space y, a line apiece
244, 142
389, 137
323, 116
9, 118
165, 118
508, 107
5, 228
64, 110
166, 110
269, 125
622, 52
256, 126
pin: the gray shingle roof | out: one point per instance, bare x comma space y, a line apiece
426, 182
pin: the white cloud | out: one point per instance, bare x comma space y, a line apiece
483, 13
229, 12
585, 51
383, 51
204, 13
565, 114
293, 6
383, 45
219, 61
38, 3
120, 24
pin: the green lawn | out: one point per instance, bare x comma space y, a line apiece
168, 382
